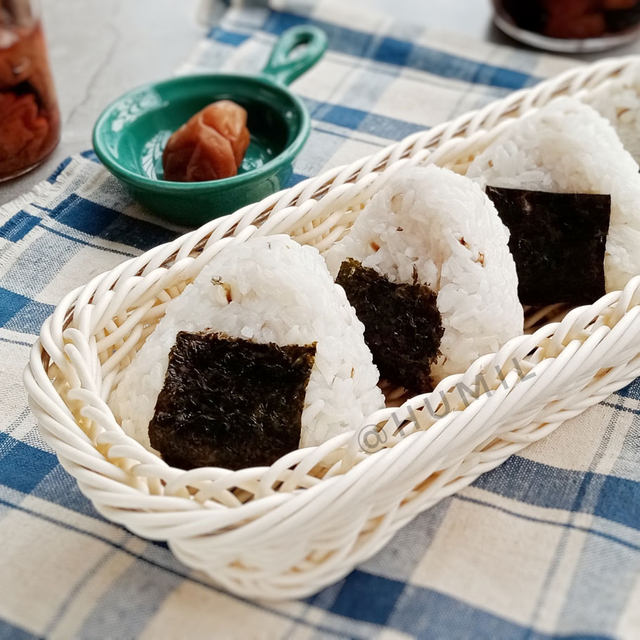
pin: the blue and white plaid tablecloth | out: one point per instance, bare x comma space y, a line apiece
548, 545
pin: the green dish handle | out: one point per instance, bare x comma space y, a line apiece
295, 52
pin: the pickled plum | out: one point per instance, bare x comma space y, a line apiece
577, 19
29, 116
22, 129
209, 146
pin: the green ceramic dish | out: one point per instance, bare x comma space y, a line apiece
131, 133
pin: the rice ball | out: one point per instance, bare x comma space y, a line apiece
440, 227
567, 147
267, 289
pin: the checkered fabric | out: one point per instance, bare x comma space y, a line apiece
546, 546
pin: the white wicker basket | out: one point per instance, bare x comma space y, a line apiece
289, 529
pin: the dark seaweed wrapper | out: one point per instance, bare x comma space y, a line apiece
557, 241
402, 324
229, 402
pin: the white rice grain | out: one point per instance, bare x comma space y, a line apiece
619, 102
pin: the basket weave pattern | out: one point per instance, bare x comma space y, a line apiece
290, 529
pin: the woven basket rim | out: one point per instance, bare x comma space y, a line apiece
365, 173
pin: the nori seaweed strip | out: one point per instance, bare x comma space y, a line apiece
402, 324
557, 241
228, 402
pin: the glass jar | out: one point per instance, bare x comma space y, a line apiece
570, 26
29, 114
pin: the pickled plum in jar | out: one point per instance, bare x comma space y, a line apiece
209, 146
29, 116
603, 23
